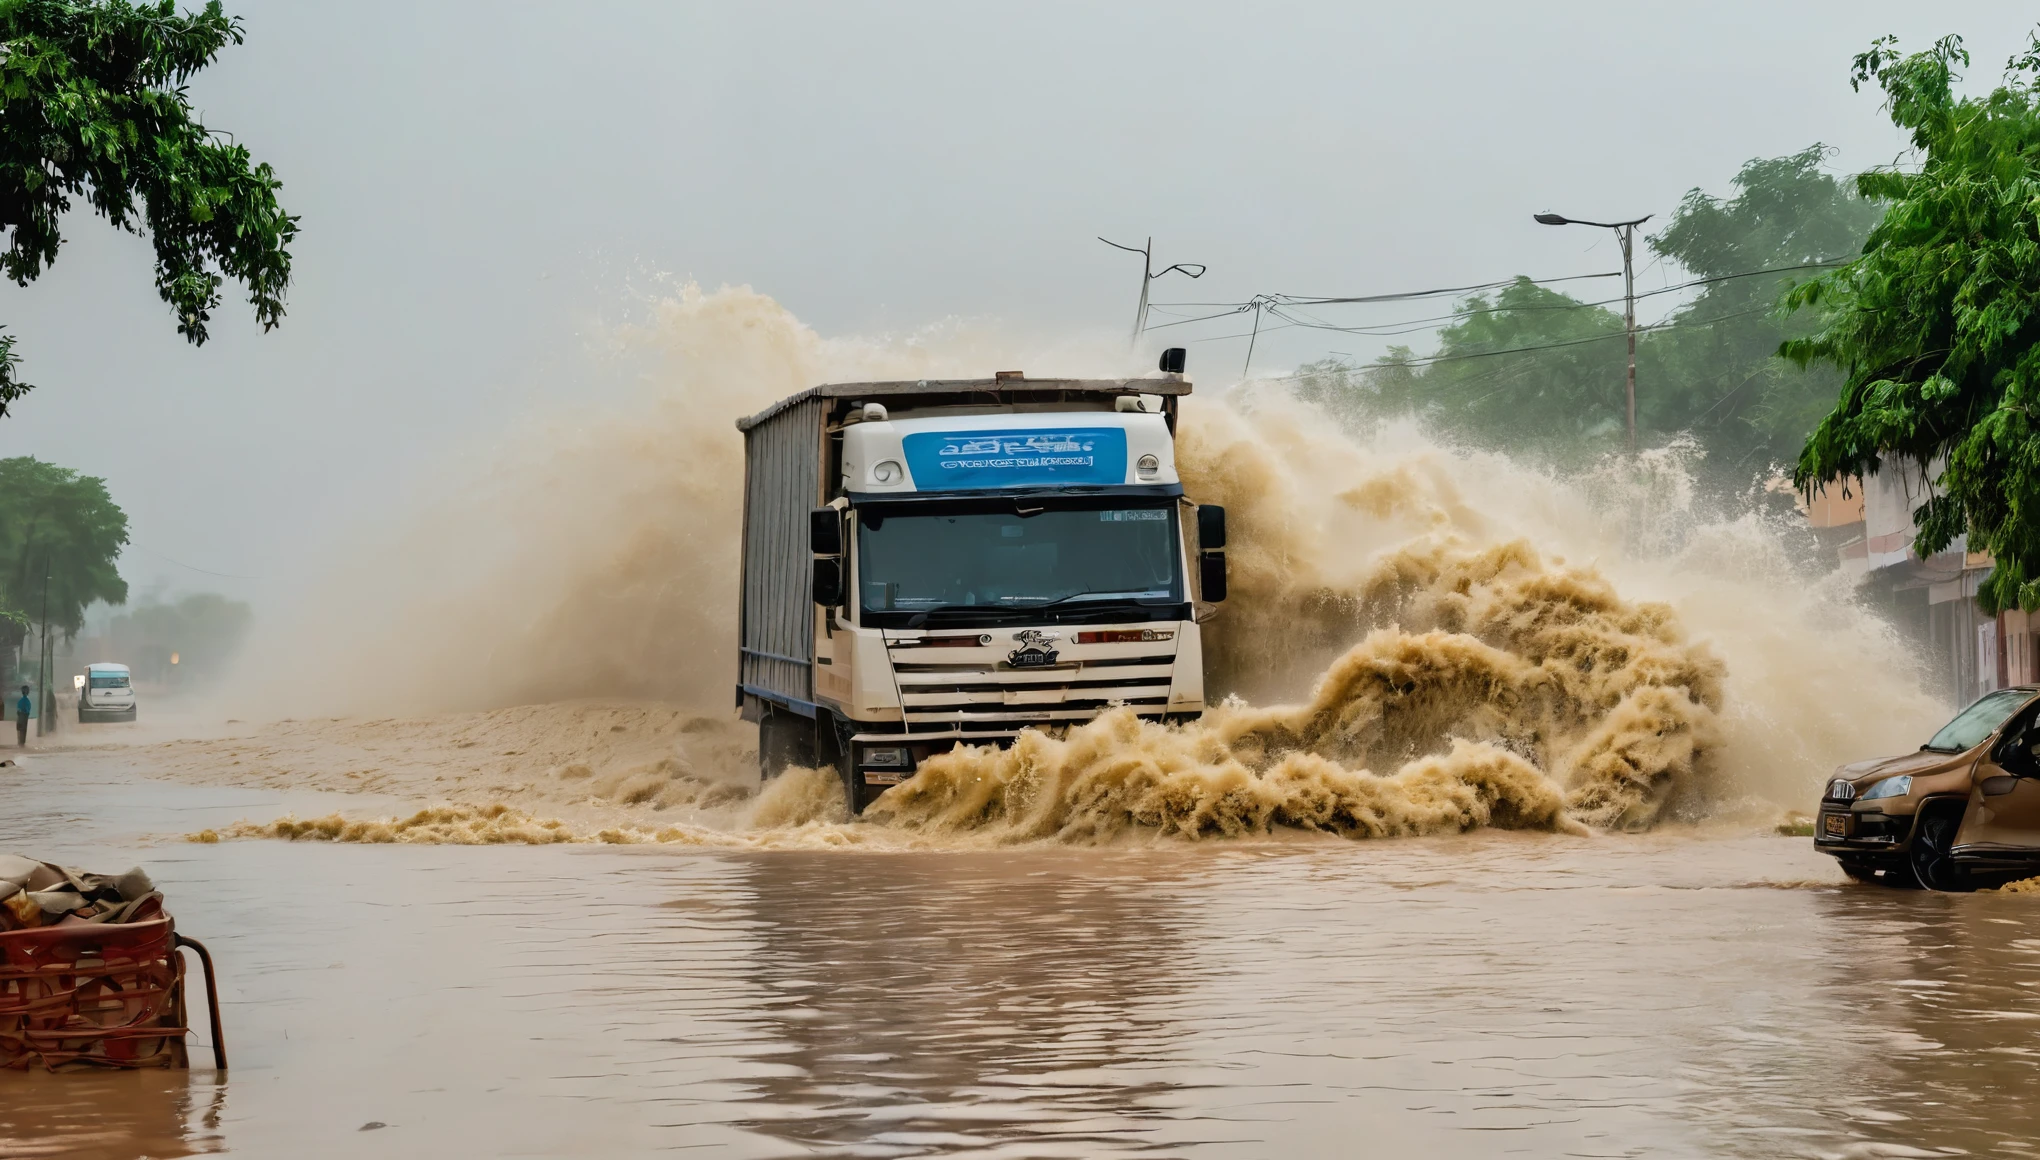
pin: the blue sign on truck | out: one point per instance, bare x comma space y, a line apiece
976, 460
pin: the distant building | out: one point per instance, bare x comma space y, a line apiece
1869, 525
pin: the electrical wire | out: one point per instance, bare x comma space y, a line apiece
1415, 325
1441, 358
182, 564
1406, 296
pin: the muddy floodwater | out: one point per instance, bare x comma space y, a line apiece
1672, 994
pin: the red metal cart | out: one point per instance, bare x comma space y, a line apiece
84, 995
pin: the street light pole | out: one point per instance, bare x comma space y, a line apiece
1148, 274
42, 664
1625, 232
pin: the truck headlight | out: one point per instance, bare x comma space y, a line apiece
886, 472
1147, 466
1890, 787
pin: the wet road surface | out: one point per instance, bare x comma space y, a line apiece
1670, 994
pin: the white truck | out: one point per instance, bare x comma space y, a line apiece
941, 562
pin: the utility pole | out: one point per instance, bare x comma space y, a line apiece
1625, 232
1259, 303
1148, 275
42, 664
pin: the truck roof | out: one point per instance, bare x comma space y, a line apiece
1005, 389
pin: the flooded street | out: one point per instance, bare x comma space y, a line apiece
1667, 994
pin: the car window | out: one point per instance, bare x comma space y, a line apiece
1977, 722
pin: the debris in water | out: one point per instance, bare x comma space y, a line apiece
37, 894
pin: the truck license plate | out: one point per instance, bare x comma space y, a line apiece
1031, 660
1837, 825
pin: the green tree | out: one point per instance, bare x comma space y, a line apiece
1528, 365
54, 521
1936, 327
93, 105
1530, 368
202, 631
1715, 371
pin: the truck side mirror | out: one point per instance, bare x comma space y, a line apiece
829, 582
825, 532
1173, 360
1210, 527
1211, 575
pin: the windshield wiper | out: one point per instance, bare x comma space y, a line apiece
1102, 597
1024, 611
920, 618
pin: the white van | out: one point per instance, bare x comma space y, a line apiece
108, 695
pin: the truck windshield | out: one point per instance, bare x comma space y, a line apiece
962, 561
1977, 722
109, 680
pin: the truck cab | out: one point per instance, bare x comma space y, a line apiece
930, 564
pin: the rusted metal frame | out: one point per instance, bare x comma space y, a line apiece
212, 998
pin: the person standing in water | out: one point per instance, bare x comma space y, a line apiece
21, 711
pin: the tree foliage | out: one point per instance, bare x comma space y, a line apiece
55, 521
1936, 327
93, 106
1532, 369
1715, 370
203, 630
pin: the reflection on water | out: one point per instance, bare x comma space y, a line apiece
944, 1005
152, 1113
1672, 994
1934, 1042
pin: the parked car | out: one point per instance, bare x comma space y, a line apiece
1962, 811
108, 695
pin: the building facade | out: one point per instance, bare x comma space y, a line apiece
1869, 525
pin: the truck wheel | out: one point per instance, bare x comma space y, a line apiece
1932, 863
856, 795
784, 739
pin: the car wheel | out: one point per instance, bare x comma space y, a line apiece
1932, 863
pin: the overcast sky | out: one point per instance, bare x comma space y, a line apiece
479, 181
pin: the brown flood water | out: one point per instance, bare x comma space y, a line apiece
1674, 994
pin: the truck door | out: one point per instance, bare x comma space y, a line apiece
2004, 806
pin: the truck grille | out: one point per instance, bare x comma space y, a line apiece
978, 691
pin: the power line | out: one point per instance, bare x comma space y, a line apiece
1441, 358
1314, 300
1202, 318
1415, 324
1402, 296
182, 564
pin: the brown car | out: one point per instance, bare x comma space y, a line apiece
1962, 812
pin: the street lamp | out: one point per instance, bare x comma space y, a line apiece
1625, 232
1147, 279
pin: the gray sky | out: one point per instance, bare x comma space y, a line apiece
480, 181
